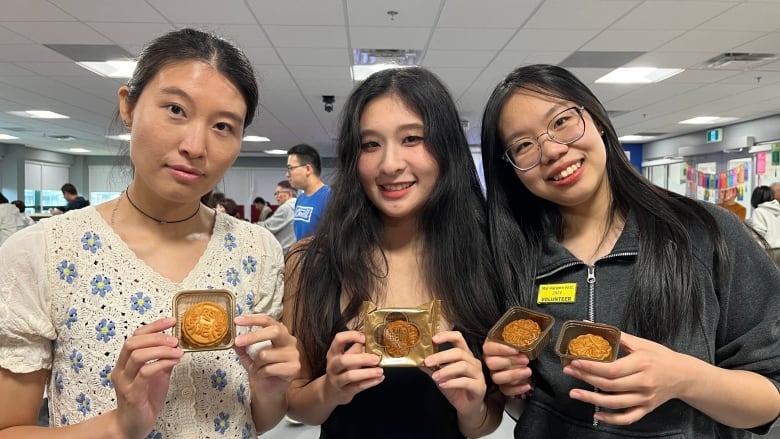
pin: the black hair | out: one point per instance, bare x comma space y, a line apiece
260, 200
191, 44
664, 288
68, 188
230, 206
307, 155
19, 205
185, 45
3, 199
761, 194
341, 259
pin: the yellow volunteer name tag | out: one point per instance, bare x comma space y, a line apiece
557, 293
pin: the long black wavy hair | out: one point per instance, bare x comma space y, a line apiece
340, 260
665, 292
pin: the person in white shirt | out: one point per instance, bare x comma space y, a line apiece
766, 215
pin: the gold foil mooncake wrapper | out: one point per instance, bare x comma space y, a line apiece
401, 336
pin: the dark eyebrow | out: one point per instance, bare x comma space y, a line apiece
555, 109
176, 91
409, 126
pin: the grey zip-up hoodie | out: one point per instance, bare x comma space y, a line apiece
739, 330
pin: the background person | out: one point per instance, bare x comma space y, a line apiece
71, 195
303, 172
86, 298
10, 220
766, 215
405, 195
281, 222
26, 220
692, 291
263, 208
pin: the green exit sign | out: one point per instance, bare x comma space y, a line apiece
715, 135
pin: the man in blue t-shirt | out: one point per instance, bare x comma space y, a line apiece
303, 172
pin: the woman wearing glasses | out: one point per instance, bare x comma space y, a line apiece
694, 294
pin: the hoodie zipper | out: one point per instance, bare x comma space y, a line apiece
591, 280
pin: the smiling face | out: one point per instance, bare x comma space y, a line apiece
568, 175
186, 130
395, 168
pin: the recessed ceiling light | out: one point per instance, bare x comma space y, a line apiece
634, 138
637, 75
256, 139
7, 137
368, 61
78, 150
705, 120
117, 68
39, 114
124, 137
275, 151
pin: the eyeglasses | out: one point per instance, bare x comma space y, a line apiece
290, 168
566, 127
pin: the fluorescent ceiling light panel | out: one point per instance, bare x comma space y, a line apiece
365, 62
706, 120
78, 150
125, 137
39, 114
634, 138
637, 75
117, 68
256, 139
7, 137
275, 151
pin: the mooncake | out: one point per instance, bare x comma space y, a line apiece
521, 332
399, 336
205, 324
590, 346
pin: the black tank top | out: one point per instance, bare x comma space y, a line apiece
407, 404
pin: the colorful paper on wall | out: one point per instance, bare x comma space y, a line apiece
761, 163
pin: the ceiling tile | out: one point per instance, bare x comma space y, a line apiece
362, 37
410, 13
761, 16
126, 34
452, 38
32, 10
580, 14
204, 11
315, 57
57, 32
724, 41
630, 40
110, 10
457, 58
307, 36
670, 15
599, 59
509, 14
299, 12
550, 40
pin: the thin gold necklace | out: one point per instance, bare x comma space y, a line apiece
162, 222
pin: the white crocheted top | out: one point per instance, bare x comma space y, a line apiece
72, 292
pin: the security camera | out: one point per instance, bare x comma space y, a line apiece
328, 101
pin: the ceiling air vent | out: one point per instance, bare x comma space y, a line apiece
739, 60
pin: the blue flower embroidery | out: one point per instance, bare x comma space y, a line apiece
140, 303
105, 330
83, 404
239, 310
250, 264
105, 377
154, 435
230, 242
58, 381
218, 380
241, 394
75, 361
221, 423
67, 271
73, 317
246, 433
250, 299
64, 420
232, 276
91, 242
101, 285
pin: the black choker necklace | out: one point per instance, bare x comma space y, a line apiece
127, 194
